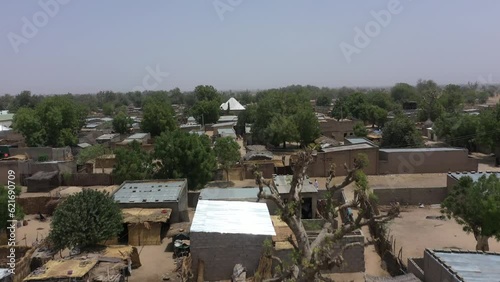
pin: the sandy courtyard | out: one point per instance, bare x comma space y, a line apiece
414, 233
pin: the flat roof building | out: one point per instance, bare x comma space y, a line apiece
309, 193
460, 266
225, 233
156, 194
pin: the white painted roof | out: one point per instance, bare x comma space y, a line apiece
4, 272
4, 128
234, 105
232, 217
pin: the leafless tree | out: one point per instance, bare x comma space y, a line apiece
317, 255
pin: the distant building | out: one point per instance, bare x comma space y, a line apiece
105, 138
227, 119
224, 233
6, 119
225, 132
336, 129
141, 138
232, 105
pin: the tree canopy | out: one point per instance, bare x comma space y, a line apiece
122, 123
91, 153
227, 152
183, 155
323, 101
206, 111
476, 206
359, 130
401, 133
158, 116
284, 117
132, 163
54, 122
85, 219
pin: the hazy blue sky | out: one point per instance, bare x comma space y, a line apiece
91, 45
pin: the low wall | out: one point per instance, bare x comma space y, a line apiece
267, 169
23, 260
87, 179
415, 266
411, 196
34, 205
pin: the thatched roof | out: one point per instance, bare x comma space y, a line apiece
59, 269
138, 215
178, 228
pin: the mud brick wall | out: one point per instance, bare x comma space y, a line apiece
221, 252
87, 179
412, 196
33, 205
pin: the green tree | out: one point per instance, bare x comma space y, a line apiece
375, 115
457, 129
55, 122
158, 116
428, 92
132, 163
91, 153
24, 100
207, 93
85, 219
227, 152
206, 111
122, 123
452, 98
380, 99
108, 109
402, 92
400, 133
360, 130
5, 196
476, 206
308, 123
248, 116
488, 131
323, 101
28, 124
282, 129
184, 155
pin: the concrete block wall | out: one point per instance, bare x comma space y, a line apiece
434, 271
415, 266
354, 257
221, 252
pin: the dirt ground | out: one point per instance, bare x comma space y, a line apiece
414, 233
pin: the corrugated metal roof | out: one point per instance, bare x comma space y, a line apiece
471, 266
224, 124
421, 150
347, 147
232, 217
107, 136
149, 192
227, 119
474, 175
359, 140
231, 193
283, 184
137, 136
6, 117
226, 132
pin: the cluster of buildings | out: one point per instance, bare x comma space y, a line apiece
230, 225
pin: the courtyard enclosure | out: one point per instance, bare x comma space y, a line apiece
225, 233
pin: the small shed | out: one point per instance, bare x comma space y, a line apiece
155, 194
108, 138
144, 226
43, 181
237, 194
141, 138
309, 193
225, 233
63, 270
